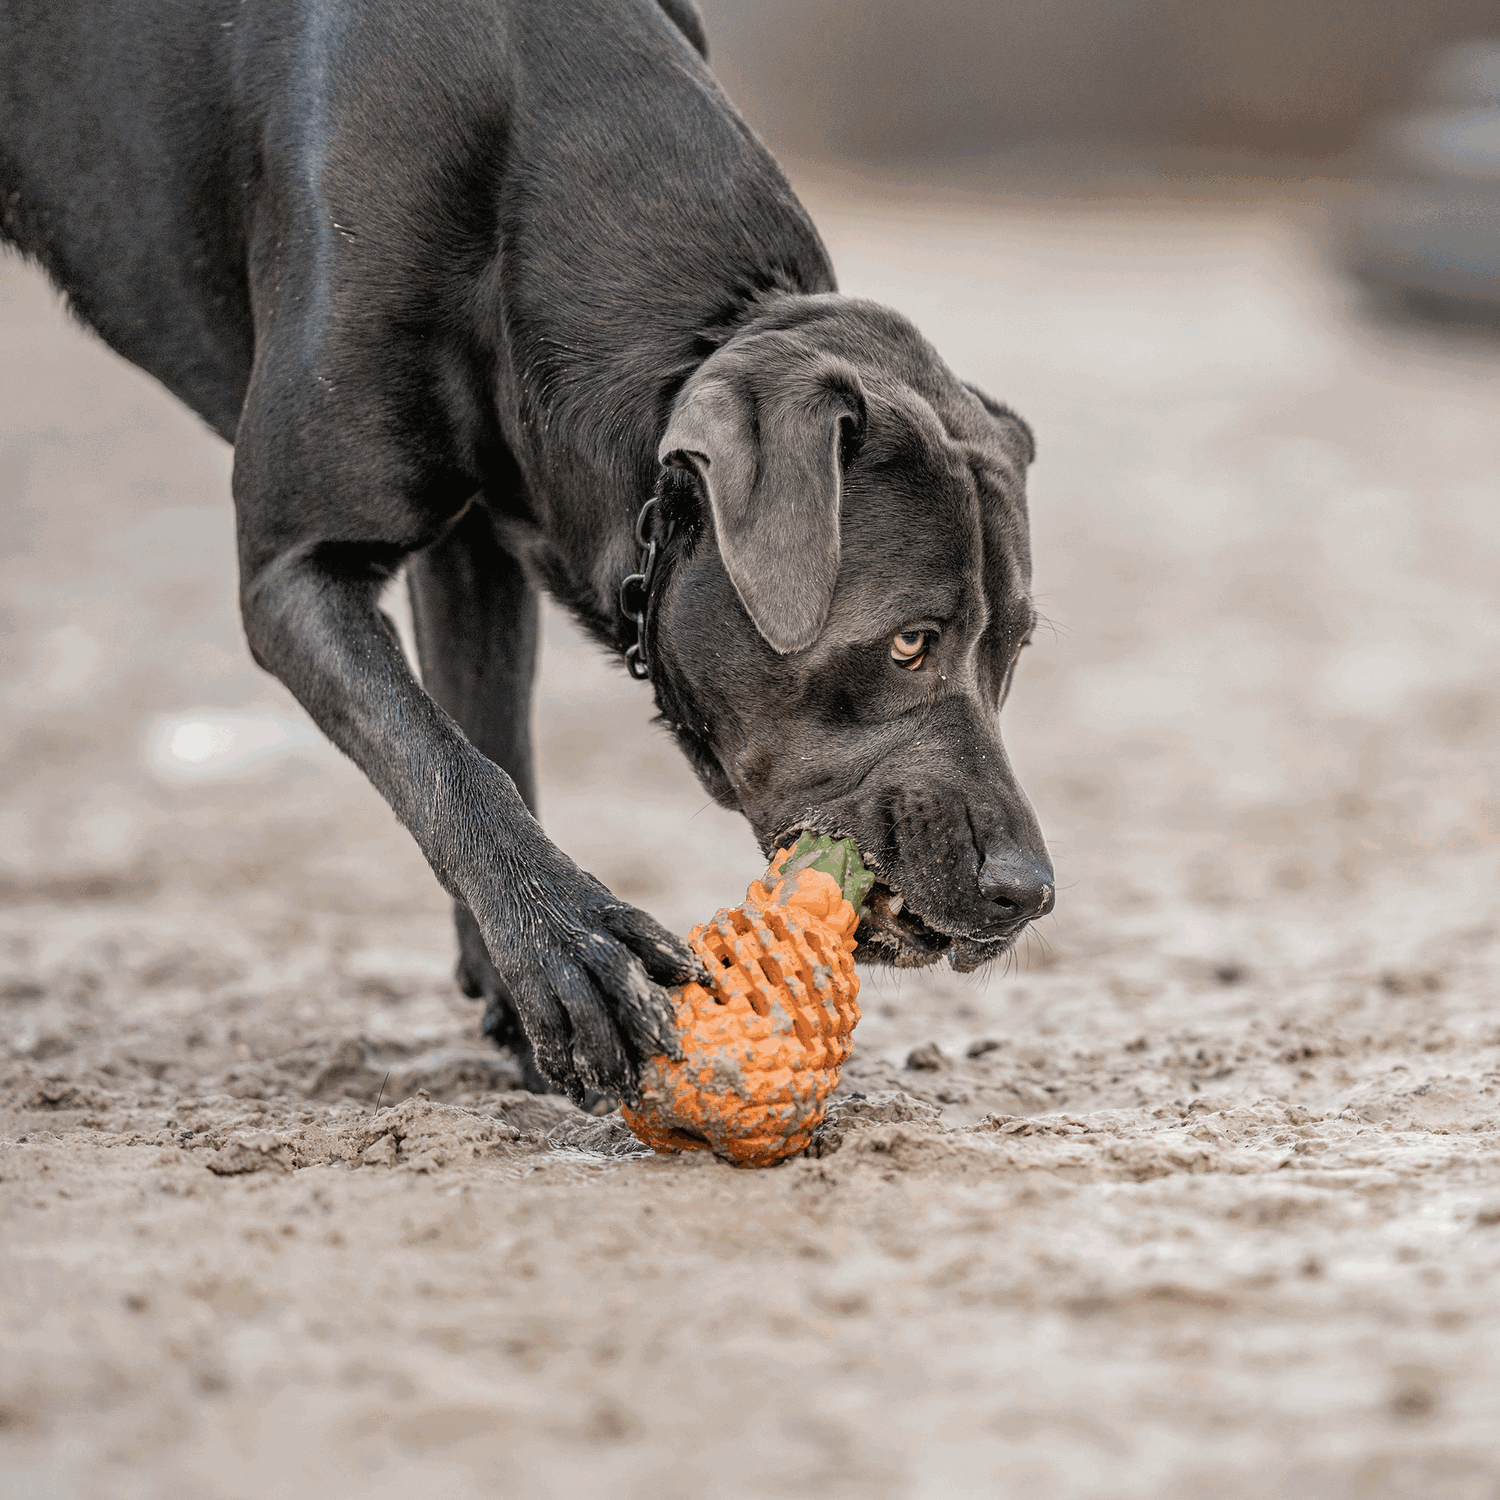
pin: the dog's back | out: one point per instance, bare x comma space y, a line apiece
121, 172
154, 154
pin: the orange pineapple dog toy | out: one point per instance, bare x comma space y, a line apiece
763, 1049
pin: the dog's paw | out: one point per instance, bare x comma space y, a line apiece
588, 975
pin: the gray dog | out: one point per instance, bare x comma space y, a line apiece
506, 292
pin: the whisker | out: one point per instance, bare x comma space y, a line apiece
1054, 628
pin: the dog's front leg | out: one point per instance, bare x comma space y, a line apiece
478, 631
585, 968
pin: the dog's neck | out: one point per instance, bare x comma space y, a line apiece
599, 437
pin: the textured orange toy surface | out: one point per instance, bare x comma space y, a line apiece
761, 1050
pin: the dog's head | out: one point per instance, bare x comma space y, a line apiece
834, 648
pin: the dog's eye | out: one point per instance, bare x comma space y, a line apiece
908, 647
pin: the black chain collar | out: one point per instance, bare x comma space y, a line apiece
635, 591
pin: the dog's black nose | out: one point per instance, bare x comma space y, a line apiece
1019, 879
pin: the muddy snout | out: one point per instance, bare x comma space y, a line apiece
992, 889
1018, 881
1013, 886
956, 876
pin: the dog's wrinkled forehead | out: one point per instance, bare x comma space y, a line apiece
912, 538
934, 521
843, 460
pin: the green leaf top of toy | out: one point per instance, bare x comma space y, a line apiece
836, 857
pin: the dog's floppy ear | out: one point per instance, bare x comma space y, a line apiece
767, 426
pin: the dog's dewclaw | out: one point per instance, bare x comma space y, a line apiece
763, 1047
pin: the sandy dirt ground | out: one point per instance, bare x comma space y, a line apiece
1200, 1199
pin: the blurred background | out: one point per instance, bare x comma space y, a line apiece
878, 78
1402, 99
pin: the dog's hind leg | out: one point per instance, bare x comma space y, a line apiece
476, 618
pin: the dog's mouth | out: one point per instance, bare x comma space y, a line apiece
890, 932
